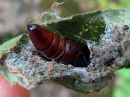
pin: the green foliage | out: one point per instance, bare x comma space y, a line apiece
8, 45
5, 48
114, 4
80, 27
88, 26
122, 88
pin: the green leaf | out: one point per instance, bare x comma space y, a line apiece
5, 48
10, 44
80, 26
89, 26
122, 83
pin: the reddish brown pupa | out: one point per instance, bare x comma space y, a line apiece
53, 46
